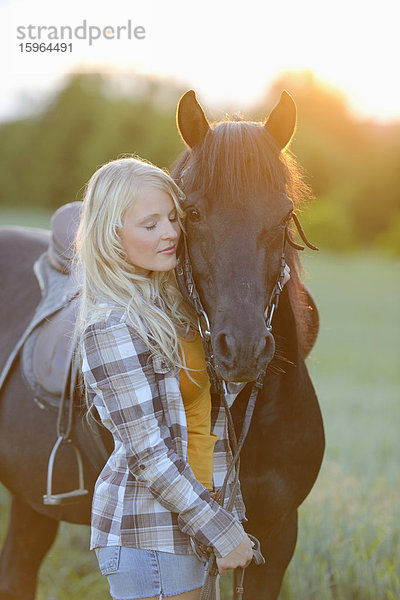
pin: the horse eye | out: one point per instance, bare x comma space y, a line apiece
193, 215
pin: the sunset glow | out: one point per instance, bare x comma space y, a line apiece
230, 56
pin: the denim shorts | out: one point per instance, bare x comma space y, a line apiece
134, 573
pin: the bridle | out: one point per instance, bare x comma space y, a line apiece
184, 274
277, 290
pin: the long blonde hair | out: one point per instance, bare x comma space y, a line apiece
154, 304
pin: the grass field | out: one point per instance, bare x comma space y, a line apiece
348, 546
31, 218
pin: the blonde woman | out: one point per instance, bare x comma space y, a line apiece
144, 370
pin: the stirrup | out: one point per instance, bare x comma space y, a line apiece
66, 497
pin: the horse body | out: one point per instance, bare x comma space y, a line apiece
280, 462
27, 432
235, 230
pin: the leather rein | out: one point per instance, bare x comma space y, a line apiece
184, 274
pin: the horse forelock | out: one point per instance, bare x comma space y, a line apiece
235, 161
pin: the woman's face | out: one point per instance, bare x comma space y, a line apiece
150, 231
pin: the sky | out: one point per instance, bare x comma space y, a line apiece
228, 51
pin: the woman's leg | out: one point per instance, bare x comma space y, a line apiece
143, 572
193, 595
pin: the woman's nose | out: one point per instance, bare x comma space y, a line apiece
170, 231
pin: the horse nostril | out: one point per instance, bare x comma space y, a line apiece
223, 345
230, 352
268, 350
264, 351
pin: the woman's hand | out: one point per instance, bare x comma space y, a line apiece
240, 556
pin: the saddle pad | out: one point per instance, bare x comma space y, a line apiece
47, 354
49, 343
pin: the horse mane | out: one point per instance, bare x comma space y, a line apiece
236, 159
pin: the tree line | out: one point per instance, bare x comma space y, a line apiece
352, 165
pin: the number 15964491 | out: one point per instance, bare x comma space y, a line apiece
43, 47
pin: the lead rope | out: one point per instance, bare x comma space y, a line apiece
210, 590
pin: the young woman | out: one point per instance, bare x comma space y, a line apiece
145, 373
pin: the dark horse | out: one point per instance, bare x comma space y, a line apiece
239, 184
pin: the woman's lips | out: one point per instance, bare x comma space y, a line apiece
170, 250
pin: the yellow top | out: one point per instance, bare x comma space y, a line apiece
197, 403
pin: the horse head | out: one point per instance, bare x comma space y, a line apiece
235, 178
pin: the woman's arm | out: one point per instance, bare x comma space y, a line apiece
117, 370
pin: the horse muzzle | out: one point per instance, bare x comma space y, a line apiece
241, 358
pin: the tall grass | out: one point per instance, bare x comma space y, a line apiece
26, 218
348, 546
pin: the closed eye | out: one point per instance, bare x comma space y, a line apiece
173, 217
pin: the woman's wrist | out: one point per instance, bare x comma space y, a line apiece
229, 539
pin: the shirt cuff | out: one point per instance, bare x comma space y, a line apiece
230, 539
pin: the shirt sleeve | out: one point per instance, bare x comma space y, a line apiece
117, 369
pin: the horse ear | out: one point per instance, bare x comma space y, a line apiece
281, 123
191, 121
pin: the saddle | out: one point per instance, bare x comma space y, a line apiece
48, 345
59, 287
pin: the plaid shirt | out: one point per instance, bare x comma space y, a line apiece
147, 495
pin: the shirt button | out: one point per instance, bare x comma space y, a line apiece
142, 467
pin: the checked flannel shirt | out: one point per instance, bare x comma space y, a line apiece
147, 495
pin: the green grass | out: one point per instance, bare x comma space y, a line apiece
28, 218
348, 546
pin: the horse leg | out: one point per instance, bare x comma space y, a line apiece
28, 539
264, 581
